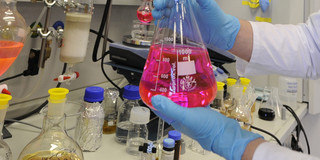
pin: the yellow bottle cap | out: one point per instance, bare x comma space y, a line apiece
245, 81
220, 86
231, 81
57, 94
4, 100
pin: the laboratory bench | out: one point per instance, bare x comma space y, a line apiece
111, 150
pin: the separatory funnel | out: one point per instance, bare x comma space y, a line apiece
178, 65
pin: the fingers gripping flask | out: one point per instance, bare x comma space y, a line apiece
178, 65
53, 142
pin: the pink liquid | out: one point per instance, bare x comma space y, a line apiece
144, 16
9, 50
160, 77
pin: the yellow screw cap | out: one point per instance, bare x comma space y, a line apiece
220, 86
58, 93
231, 81
245, 81
4, 99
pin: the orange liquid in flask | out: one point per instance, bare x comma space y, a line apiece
182, 73
9, 50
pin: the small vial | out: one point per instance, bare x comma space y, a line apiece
176, 136
138, 131
218, 101
167, 152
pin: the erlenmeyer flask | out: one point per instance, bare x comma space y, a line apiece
178, 65
13, 31
270, 106
53, 142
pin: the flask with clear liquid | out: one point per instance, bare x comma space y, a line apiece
178, 65
5, 152
13, 33
53, 142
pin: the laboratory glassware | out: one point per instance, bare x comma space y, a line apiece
110, 109
90, 122
218, 101
176, 136
13, 32
178, 65
144, 12
138, 130
76, 31
229, 99
288, 91
248, 90
167, 152
270, 104
131, 99
53, 142
5, 152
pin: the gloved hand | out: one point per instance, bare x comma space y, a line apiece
211, 129
216, 27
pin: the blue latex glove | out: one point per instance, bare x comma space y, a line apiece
216, 27
264, 4
212, 130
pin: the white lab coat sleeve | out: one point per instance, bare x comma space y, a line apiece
291, 50
272, 151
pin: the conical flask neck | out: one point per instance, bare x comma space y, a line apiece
53, 123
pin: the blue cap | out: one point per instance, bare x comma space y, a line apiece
168, 143
176, 135
94, 94
131, 92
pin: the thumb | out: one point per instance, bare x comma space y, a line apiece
168, 108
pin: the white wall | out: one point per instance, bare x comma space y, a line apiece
90, 72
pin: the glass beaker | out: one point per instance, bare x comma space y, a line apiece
178, 65
13, 32
76, 31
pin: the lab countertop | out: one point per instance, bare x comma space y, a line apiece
23, 134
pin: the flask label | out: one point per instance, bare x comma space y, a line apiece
186, 68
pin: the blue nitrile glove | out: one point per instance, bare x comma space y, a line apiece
212, 130
216, 27
264, 4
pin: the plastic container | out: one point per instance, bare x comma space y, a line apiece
131, 99
5, 151
178, 65
138, 130
218, 101
90, 123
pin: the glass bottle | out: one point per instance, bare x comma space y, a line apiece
53, 142
13, 33
5, 152
110, 104
178, 65
131, 99
90, 122
176, 136
144, 13
138, 130
218, 101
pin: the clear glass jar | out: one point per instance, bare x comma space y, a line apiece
110, 109
131, 98
138, 130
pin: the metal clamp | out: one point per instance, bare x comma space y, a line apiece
43, 35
